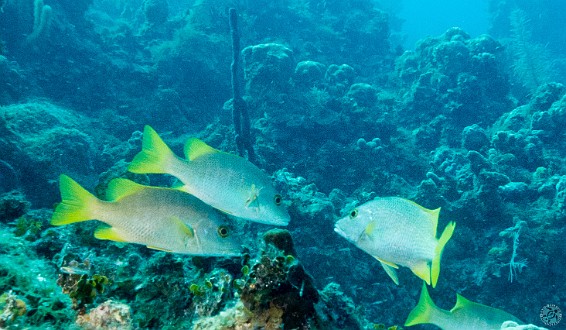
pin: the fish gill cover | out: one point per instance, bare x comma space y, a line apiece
339, 113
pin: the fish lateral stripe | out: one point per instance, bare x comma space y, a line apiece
77, 204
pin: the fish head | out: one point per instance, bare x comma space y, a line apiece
216, 236
355, 224
265, 205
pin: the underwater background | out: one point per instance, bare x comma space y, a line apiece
347, 101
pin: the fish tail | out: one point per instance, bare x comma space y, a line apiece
444, 238
77, 204
155, 155
424, 311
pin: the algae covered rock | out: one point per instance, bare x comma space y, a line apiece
267, 67
110, 315
43, 140
309, 73
364, 95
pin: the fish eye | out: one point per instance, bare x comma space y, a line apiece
278, 199
353, 213
223, 231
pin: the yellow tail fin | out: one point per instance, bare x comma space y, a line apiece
425, 310
76, 205
444, 238
155, 155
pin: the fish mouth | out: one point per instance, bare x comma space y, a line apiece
339, 231
273, 221
283, 222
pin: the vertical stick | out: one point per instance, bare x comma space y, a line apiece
240, 114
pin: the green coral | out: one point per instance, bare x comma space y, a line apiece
82, 288
28, 225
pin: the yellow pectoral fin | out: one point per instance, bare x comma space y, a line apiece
183, 227
370, 228
422, 270
158, 248
108, 233
390, 270
252, 200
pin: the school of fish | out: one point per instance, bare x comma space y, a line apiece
197, 218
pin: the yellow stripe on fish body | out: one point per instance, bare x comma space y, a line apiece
397, 231
226, 182
160, 218
465, 315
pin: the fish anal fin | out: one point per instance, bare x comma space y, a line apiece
158, 248
195, 148
390, 270
108, 233
422, 270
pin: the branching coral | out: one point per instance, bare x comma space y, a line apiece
532, 62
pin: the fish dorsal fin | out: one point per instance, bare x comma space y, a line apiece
432, 215
390, 270
119, 188
108, 233
194, 148
461, 303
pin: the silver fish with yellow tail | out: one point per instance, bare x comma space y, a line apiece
224, 181
161, 218
398, 232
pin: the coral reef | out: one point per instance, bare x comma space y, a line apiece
109, 315
472, 124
